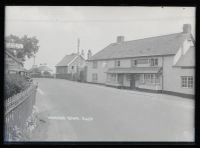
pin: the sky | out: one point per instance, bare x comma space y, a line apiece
58, 27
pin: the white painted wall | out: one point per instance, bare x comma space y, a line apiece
103, 66
78, 62
172, 77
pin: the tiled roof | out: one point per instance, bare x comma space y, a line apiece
188, 59
135, 70
67, 59
160, 45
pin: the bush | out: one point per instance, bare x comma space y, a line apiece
14, 83
46, 73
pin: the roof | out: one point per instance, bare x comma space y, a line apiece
135, 70
160, 45
44, 68
188, 59
68, 59
14, 58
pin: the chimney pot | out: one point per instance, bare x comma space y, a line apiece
120, 39
89, 54
187, 28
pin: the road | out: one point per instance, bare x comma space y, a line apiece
72, 111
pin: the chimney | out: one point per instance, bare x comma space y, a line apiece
120, 39
89, 54
82, 53
187, 28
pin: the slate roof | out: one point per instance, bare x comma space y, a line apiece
135, 70
160, 45
188, 59
67, 59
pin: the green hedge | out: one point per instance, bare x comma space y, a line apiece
14, 83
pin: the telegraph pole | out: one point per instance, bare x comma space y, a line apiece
78, 46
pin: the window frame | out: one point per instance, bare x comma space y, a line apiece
95, 64
187, 82
153, 62
117, 63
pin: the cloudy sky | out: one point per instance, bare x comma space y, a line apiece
58, 27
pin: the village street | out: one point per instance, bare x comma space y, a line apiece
73, 111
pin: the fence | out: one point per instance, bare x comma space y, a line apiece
17, 110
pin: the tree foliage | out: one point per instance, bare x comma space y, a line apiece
30, 45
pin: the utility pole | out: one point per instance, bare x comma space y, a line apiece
34, 59
78, 46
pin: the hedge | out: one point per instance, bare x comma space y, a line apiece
14, 83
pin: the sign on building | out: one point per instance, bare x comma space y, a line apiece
14, 45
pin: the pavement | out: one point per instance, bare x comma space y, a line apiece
73, 111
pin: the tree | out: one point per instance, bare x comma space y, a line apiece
46, 73
30, 45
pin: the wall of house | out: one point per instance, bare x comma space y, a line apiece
102, 67
61, 69
172, 77
80, 62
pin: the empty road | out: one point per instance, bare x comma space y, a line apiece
72, 111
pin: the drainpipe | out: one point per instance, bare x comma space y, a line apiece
162, 73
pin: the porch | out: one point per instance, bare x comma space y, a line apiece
142, 78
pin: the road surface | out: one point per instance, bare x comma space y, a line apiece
72, 111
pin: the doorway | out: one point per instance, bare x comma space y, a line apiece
132, 81
120, 79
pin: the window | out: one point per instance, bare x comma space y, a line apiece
94, 77
111, 77
154, 62
94, 64
72, 67
142, 61
142, 78
133, 63
157, 80
187, 81
117, 63
147, 78
152, 78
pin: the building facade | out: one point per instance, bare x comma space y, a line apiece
70, 67
13, 64
159, 64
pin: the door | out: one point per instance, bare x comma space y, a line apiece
120, 79
132, 81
